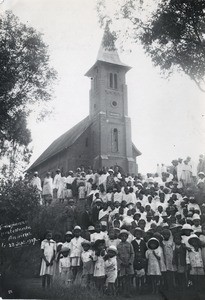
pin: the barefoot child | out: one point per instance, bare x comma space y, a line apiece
65, 266
99, 264
88, 265
111, 270
194, 261
48, 250
140, 248
125, 261
76, 250
153, 260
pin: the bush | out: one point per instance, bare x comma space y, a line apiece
18, 202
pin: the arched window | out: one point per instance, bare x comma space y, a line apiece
115, 140
115, 81
111, 81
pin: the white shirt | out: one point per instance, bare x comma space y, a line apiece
64, 263
76, 247
85, 255
36, 182
97, 236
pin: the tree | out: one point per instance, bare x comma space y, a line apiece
26, 78
172, 32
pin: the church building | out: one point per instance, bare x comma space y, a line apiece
102, 139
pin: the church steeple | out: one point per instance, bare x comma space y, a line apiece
107, 52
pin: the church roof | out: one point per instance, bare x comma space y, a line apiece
64, 141
107, 53
136, 151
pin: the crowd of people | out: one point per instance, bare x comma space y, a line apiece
135, 231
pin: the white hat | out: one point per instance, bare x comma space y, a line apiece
124, 231
111, 170
192, 236
196, 217
58, 244
91, 228
201, 173
98, 200
187, 227
112, 248
65, 249
35, 173
103, 223
68, 233
77, 228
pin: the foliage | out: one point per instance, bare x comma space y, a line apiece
49, 218
18, 202
172, 32
16, 160
26, 78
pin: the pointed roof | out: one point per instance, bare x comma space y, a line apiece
107, 52
64, 141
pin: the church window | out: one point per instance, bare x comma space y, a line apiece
115, 140
113, 84
115, 81
114, 103
86, 142
111, 81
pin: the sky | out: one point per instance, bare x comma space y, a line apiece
168, 116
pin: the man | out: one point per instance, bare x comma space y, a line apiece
47, 189
36, 182
57, 182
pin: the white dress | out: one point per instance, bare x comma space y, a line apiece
48, 186
49, 248
153, 263
99, 267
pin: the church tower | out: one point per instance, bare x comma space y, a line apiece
108, 112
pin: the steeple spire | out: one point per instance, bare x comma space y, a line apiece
107, 52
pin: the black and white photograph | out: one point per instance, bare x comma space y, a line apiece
102, 149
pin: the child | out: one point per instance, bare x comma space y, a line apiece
68, 238
153, 259
194, 261
81, 191
202, 239
111, 270
125, 261
179, 260
97, 235
65, 266
99, 266
168, 247
197, 223
76, 250
88, 266
140, 248
112, 240
56, 261
186, 232
48, 250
